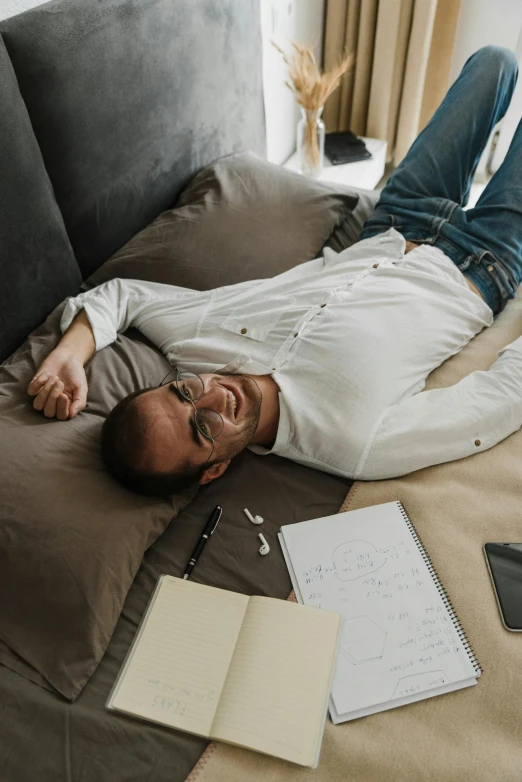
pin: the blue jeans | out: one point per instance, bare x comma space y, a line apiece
424, 196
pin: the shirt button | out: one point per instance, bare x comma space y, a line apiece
477, 442
244, 331
375, 265
323, 305
490, 268
296, 334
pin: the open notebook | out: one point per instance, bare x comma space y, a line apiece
401, 640
255, 671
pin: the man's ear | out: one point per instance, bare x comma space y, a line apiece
214, 472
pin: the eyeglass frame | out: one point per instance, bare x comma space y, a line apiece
179, 372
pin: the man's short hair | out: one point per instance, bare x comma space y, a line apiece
124, 438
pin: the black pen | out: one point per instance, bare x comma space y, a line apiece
207, 532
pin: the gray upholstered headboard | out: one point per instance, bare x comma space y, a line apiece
127, 100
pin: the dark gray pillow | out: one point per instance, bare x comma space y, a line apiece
239, 219
37, 265
349, 230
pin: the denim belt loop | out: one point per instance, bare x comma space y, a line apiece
466, 263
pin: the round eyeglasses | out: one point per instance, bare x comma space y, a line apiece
191, 388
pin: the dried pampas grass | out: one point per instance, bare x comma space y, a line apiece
311, 89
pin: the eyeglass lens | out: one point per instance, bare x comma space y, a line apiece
208, 421
191, 386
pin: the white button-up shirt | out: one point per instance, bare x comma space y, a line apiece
349, 339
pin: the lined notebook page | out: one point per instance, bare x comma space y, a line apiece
277, 686
398, 639
178, 664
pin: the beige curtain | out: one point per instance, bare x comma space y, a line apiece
402, 54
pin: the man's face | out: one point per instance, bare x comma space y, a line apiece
173, 438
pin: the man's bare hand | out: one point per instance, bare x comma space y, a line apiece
60, 385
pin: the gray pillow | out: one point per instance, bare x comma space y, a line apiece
349, 230
239, 219
71, 538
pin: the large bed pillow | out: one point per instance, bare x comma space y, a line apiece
71, 539
241, 218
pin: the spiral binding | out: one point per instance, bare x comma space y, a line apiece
442, 592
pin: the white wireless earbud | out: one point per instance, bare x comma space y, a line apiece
254, 520
265, 548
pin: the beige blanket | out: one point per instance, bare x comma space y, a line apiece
473, 734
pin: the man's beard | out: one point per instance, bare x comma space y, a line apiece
250, 423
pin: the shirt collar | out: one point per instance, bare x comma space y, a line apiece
283, 433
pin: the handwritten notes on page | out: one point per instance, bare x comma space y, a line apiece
399, 641
178, 664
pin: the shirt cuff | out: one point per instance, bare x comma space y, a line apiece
516, 346
102, 335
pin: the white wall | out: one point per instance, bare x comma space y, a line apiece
483, 22
284, 21
12, 7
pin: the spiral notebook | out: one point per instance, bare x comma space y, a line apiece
401, 640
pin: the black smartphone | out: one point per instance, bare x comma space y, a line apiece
504, 561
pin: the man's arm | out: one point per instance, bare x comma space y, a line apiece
60, 384
93, 320
90, 322
444, 424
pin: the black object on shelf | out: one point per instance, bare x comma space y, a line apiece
344, 147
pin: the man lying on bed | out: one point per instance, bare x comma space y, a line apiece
324, 364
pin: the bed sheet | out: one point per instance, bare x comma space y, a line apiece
45, 738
